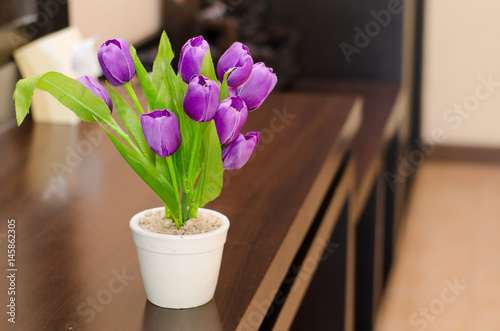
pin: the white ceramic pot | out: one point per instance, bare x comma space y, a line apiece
179, 271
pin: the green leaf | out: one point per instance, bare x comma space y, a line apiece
178, 87
183, 154
165, 97
224, 88
211, 178
207, 67
147, 86
171, 96
132, 123
149, 174
171, 90
162, 61
165, 47
161, 165
68, 91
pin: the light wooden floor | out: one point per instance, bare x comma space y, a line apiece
447, 273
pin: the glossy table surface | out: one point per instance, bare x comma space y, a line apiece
384, 114
71, 196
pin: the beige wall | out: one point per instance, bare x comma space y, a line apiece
8, 79
461, 73
132, 20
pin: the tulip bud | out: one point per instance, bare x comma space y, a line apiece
258, 86
161, 131
93, 86
202, 99
191, 58
229, 119
237, 56
116, 61
237, 153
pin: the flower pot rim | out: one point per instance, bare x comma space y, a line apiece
134, 226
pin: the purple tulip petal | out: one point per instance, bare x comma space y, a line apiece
236, 154
202, 99
237, 56
113, 63
194, 103
230, 118
232, 91
191, 64
191, 58
161, 131
93, 86
240, 75
258, 86
116, 61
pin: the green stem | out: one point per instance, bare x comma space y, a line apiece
132, 94
198, 188
178, 221
167, 212
185, 206
115, 127
131, 143
190, 176
194, 151
193, 212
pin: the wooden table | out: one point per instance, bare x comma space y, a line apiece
71, 196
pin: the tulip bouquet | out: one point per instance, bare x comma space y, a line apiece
190, 132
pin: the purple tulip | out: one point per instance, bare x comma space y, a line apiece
236, 154
93, 86
161, 131
229, 119
258, 86
237, 56
192, 54
202, 99
116, 61
232, 91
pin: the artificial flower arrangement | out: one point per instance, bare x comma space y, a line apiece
190, 133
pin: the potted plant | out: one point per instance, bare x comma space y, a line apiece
180, 146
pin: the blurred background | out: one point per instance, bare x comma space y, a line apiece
299, 40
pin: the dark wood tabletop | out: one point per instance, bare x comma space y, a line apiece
72, 196
383, 113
